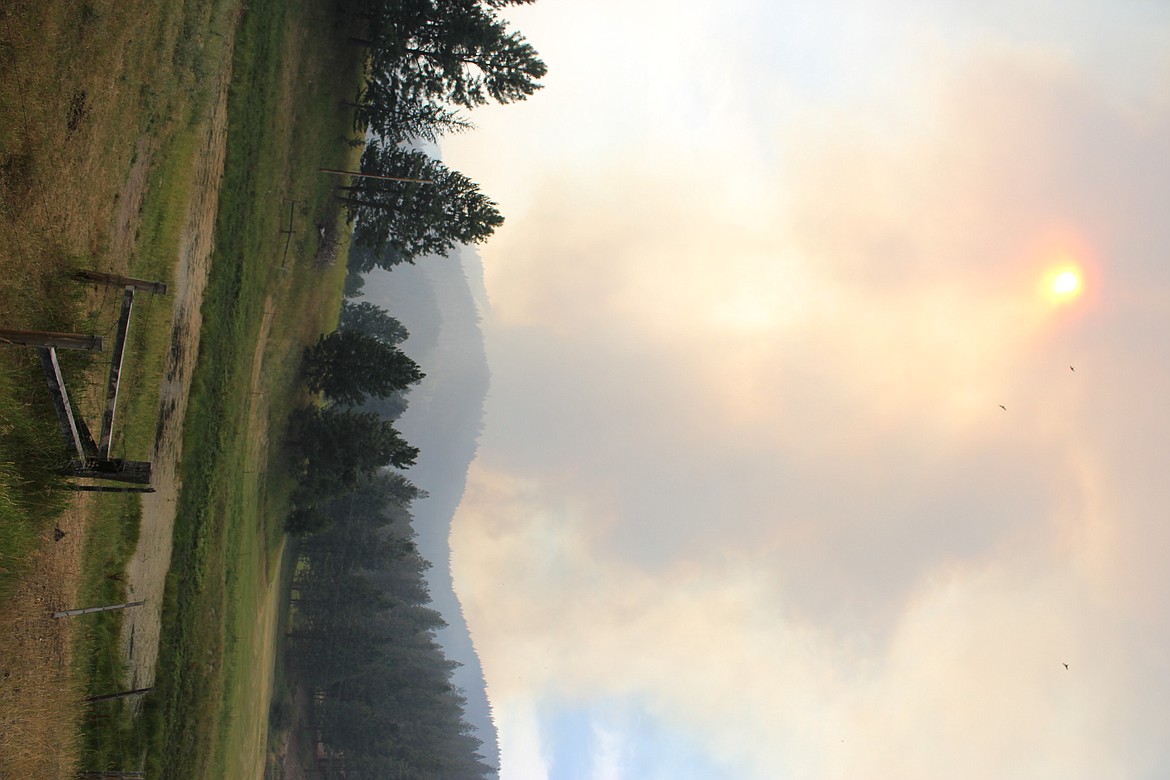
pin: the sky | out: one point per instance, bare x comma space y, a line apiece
795, 462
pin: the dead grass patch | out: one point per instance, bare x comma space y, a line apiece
41, 704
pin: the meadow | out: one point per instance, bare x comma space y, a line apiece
106, 112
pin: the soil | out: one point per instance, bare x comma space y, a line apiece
147, 570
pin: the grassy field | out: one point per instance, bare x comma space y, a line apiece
98, 103
208, 715
102, 106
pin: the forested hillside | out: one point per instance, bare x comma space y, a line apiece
362, 637
382, 699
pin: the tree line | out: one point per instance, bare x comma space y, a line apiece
428, 62
333, 446
363, 633
363, 641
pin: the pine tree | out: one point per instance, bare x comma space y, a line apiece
402, 220
372, 320
451, 51
337, 447
348, 365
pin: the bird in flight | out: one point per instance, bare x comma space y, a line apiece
1070, 368
1001, 406
1066, 666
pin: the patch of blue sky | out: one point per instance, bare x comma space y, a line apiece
621, 740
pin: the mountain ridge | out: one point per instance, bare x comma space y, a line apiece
439, 301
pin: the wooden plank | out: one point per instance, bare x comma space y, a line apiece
110, 280
119, 695
103, 450
56, 383
360, 175
45, 338
113, 469
91, 610
106, 488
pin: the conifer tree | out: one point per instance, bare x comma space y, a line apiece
402, 220
348, 365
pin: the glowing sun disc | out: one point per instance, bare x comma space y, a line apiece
1063, 284
1066, 282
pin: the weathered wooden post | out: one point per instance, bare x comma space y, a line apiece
46, 338
360, 175
119, 695
292, 206
115, 469
103, 450
91, 610
110, 280
74, 428
106, 488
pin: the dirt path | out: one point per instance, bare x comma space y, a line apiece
147, 571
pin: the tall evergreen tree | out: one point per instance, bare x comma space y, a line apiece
412, 219
454, 51
348, 365
372, 320
387, 108
337, 447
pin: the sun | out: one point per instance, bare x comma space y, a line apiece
1063, 283
1066, 283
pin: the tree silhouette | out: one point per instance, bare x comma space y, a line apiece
348, 365
372, 320
335, 448
451, 51
402, 220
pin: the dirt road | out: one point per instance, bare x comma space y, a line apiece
147, 571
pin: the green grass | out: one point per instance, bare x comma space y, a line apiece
229, 522
147, 72
79, 98
86, 91
32, 453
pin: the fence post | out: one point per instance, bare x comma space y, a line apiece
47, 338
110, 280
119, 695
115, 372
106, 488
89, 610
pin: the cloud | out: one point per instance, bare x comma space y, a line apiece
745, 461
609, 761
522, 750
969, 683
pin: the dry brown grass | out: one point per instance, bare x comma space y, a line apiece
40, 703
87, 90
103, 108
95, 97
68, 125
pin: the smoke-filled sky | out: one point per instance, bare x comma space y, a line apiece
747, 504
